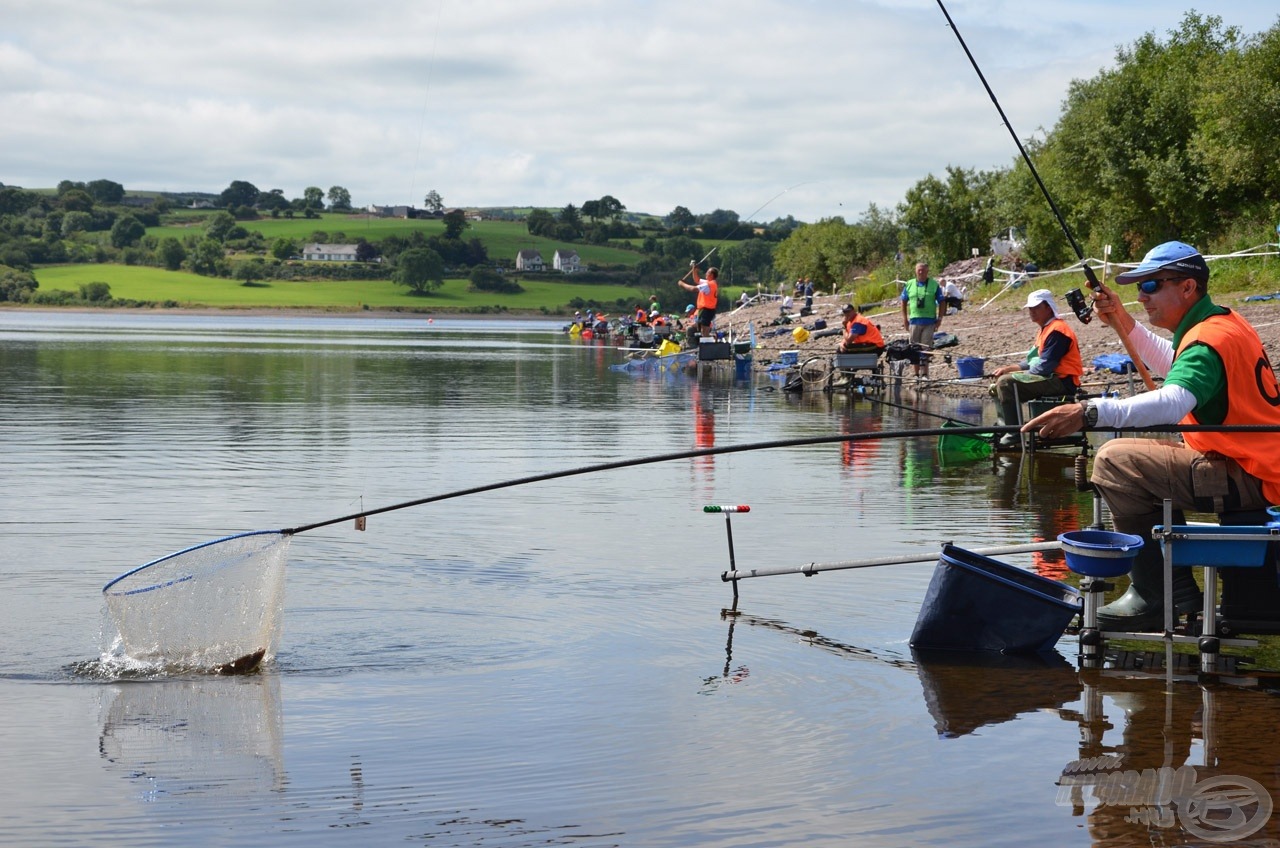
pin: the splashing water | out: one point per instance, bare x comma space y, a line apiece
215, 606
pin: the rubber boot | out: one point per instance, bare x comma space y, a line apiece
1251, 596
1141, 607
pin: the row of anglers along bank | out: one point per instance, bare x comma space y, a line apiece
647, 326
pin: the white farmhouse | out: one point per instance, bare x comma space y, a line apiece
566, 261
529, 259
330, 252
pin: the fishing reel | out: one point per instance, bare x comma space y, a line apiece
1081, 307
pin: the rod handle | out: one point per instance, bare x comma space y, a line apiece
726, 508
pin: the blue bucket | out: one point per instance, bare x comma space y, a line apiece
970, 366
1099, 553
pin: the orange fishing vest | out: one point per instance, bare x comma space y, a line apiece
1253, 397
1070, 365
710, 298
871, 336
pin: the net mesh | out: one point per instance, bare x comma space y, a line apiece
206, 606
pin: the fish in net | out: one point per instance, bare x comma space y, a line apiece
214, 606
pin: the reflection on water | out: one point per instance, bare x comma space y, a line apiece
964, 692
1156, 762
215, 736
547, 664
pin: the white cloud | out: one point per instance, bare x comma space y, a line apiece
714, 104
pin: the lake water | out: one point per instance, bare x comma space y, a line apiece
546, 664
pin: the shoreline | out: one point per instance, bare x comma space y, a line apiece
283, 311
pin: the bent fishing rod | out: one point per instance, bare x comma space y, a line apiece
1082, 310
738, 226
807, 441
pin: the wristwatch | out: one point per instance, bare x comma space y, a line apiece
1090, 415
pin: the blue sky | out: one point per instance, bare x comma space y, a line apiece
811, 109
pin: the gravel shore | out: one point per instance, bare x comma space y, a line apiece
992, 326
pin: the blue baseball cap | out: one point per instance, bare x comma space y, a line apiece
1170, 256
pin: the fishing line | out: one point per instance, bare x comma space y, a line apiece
739, 224
906, 408
807, 441
1089, 276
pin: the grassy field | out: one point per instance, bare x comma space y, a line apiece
160, 286
501, 238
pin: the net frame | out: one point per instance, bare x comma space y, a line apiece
214, 605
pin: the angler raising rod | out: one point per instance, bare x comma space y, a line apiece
1082, 312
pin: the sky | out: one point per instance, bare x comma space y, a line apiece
812, 109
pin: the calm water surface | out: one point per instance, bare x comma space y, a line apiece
546, 664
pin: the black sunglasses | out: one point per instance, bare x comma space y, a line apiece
1152, 285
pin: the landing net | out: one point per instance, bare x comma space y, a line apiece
216, 605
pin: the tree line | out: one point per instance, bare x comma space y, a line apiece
1177, 141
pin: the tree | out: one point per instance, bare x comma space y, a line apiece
105, 191
540, 222
96, 292
126, 231
570, 223
284, 248
339, 199
76, 222
16, 286
1122, 159
421, 269
591, 209
1236, 117
680, 219
313, 197
220, 225
250, 272
681, 249
611, 208
489, 280
823, 252
209, 258
171, 253
365, 251
751, 260
239, 193
432, 202
76, 200
951, 218
273, 201
455, 221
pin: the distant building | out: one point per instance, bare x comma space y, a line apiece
566, 261
529, 260
390, 211
201, 204
330, 252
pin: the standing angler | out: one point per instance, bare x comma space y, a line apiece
708, 290
923, 306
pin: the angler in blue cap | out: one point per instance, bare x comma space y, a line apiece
1215, 371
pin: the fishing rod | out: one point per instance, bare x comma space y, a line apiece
906, 408
806, 441
741, 221
1075, 299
